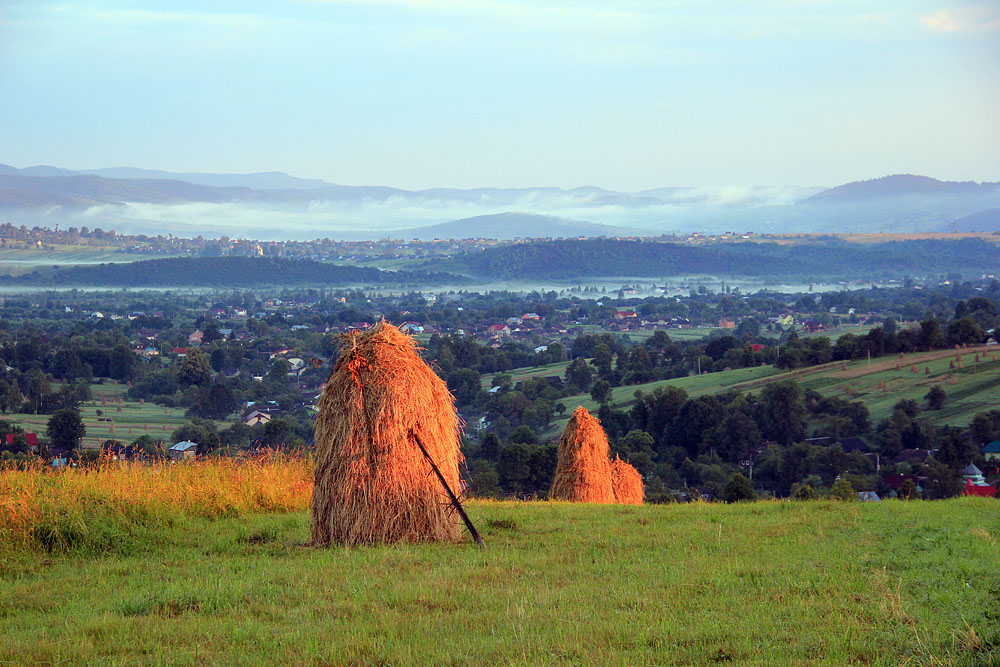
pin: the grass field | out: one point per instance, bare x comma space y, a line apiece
976, 388
18, 261
135, 418
771, 583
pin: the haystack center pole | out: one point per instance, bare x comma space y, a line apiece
451, 494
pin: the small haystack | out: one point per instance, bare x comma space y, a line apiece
372, 483
583, 473
627, 483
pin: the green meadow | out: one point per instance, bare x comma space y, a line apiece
973, 388
769, 583
104, 421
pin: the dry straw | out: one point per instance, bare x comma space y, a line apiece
372, 483
583, 473
627, 483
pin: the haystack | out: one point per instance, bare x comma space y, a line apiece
626, 483
372, 483
583, 472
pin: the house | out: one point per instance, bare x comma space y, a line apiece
725, 323
909, 455
853, 445
257, 417
181, 351
992, 451
196, 338
184, 450
625, 314
895, 480
530, 316
411, 328
498, 330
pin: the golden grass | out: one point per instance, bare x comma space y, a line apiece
372, 482
36, 498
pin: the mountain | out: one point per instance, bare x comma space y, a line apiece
267, 180
900, 185
982, 221
506, 226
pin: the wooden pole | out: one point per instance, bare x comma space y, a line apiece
451, 494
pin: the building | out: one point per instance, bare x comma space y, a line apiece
184, 450
257, 417
975, 483
992, 451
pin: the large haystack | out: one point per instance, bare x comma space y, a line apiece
583, 473
372, 482
626, 483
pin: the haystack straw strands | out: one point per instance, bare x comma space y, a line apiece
372, 483
583, 472
627, 483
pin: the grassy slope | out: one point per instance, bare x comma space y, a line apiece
134, 415
977, 387
18, 261
766, 584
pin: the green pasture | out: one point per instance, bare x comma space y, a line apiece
976, 388
133, 420
18, 261
769, 583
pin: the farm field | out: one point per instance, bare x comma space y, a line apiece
231, 582
135, 418
18, 261
976, 388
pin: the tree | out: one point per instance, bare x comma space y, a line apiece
38, 388
781, 412
579, 374
935, 398
215, 402
601, 391
66, 428
738, 489
122, 363
842, 490
941, 481
195, 369
908, 490
804, 492
490, 447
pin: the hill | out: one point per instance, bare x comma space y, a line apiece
983, 221
900, 185
506, 226
226, 272
813, 261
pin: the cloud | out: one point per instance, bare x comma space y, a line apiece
966, 19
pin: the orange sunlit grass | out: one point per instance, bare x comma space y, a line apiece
104, 506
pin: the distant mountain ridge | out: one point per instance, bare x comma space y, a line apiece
899, 185
506, 226
274, 205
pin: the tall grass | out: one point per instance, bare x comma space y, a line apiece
108, 506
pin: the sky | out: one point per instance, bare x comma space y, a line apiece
626, 95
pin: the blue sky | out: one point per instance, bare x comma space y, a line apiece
424, 93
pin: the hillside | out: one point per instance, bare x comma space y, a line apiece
225, 272
983, 221
899, 185
506, 226
767, 583
813, 261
